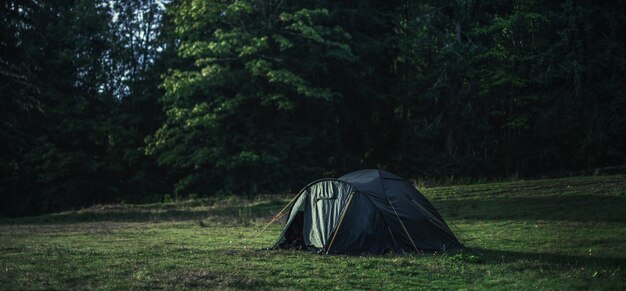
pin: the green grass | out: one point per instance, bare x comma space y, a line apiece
544, 234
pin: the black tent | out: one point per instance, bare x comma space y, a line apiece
367, 211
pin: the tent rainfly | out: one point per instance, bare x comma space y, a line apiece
365, 212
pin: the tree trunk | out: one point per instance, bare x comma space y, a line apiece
454, 102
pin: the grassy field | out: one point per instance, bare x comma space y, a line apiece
547, 234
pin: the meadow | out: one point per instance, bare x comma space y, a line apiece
567, 233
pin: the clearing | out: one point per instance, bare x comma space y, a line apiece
567, 233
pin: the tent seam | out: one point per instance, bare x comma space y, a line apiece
381, 216
338, 226
404, 227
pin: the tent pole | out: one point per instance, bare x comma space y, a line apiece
381, 217
340, 221
435, 220
403, 227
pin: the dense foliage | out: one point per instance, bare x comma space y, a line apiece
130, 100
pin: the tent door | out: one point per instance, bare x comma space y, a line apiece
323, 211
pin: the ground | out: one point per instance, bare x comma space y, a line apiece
567, 233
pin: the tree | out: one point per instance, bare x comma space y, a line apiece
138, 57
255, 103
582, 123
18, 103
62, 160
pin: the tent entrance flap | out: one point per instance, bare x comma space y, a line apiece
327, 200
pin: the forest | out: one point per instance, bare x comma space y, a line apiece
108, 101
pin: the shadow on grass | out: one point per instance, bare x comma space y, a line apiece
166, 213
579, 208
491, 256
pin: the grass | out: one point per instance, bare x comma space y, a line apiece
565, 233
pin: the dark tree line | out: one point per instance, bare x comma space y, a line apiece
108, 101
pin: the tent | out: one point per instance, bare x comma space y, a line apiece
365, 212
